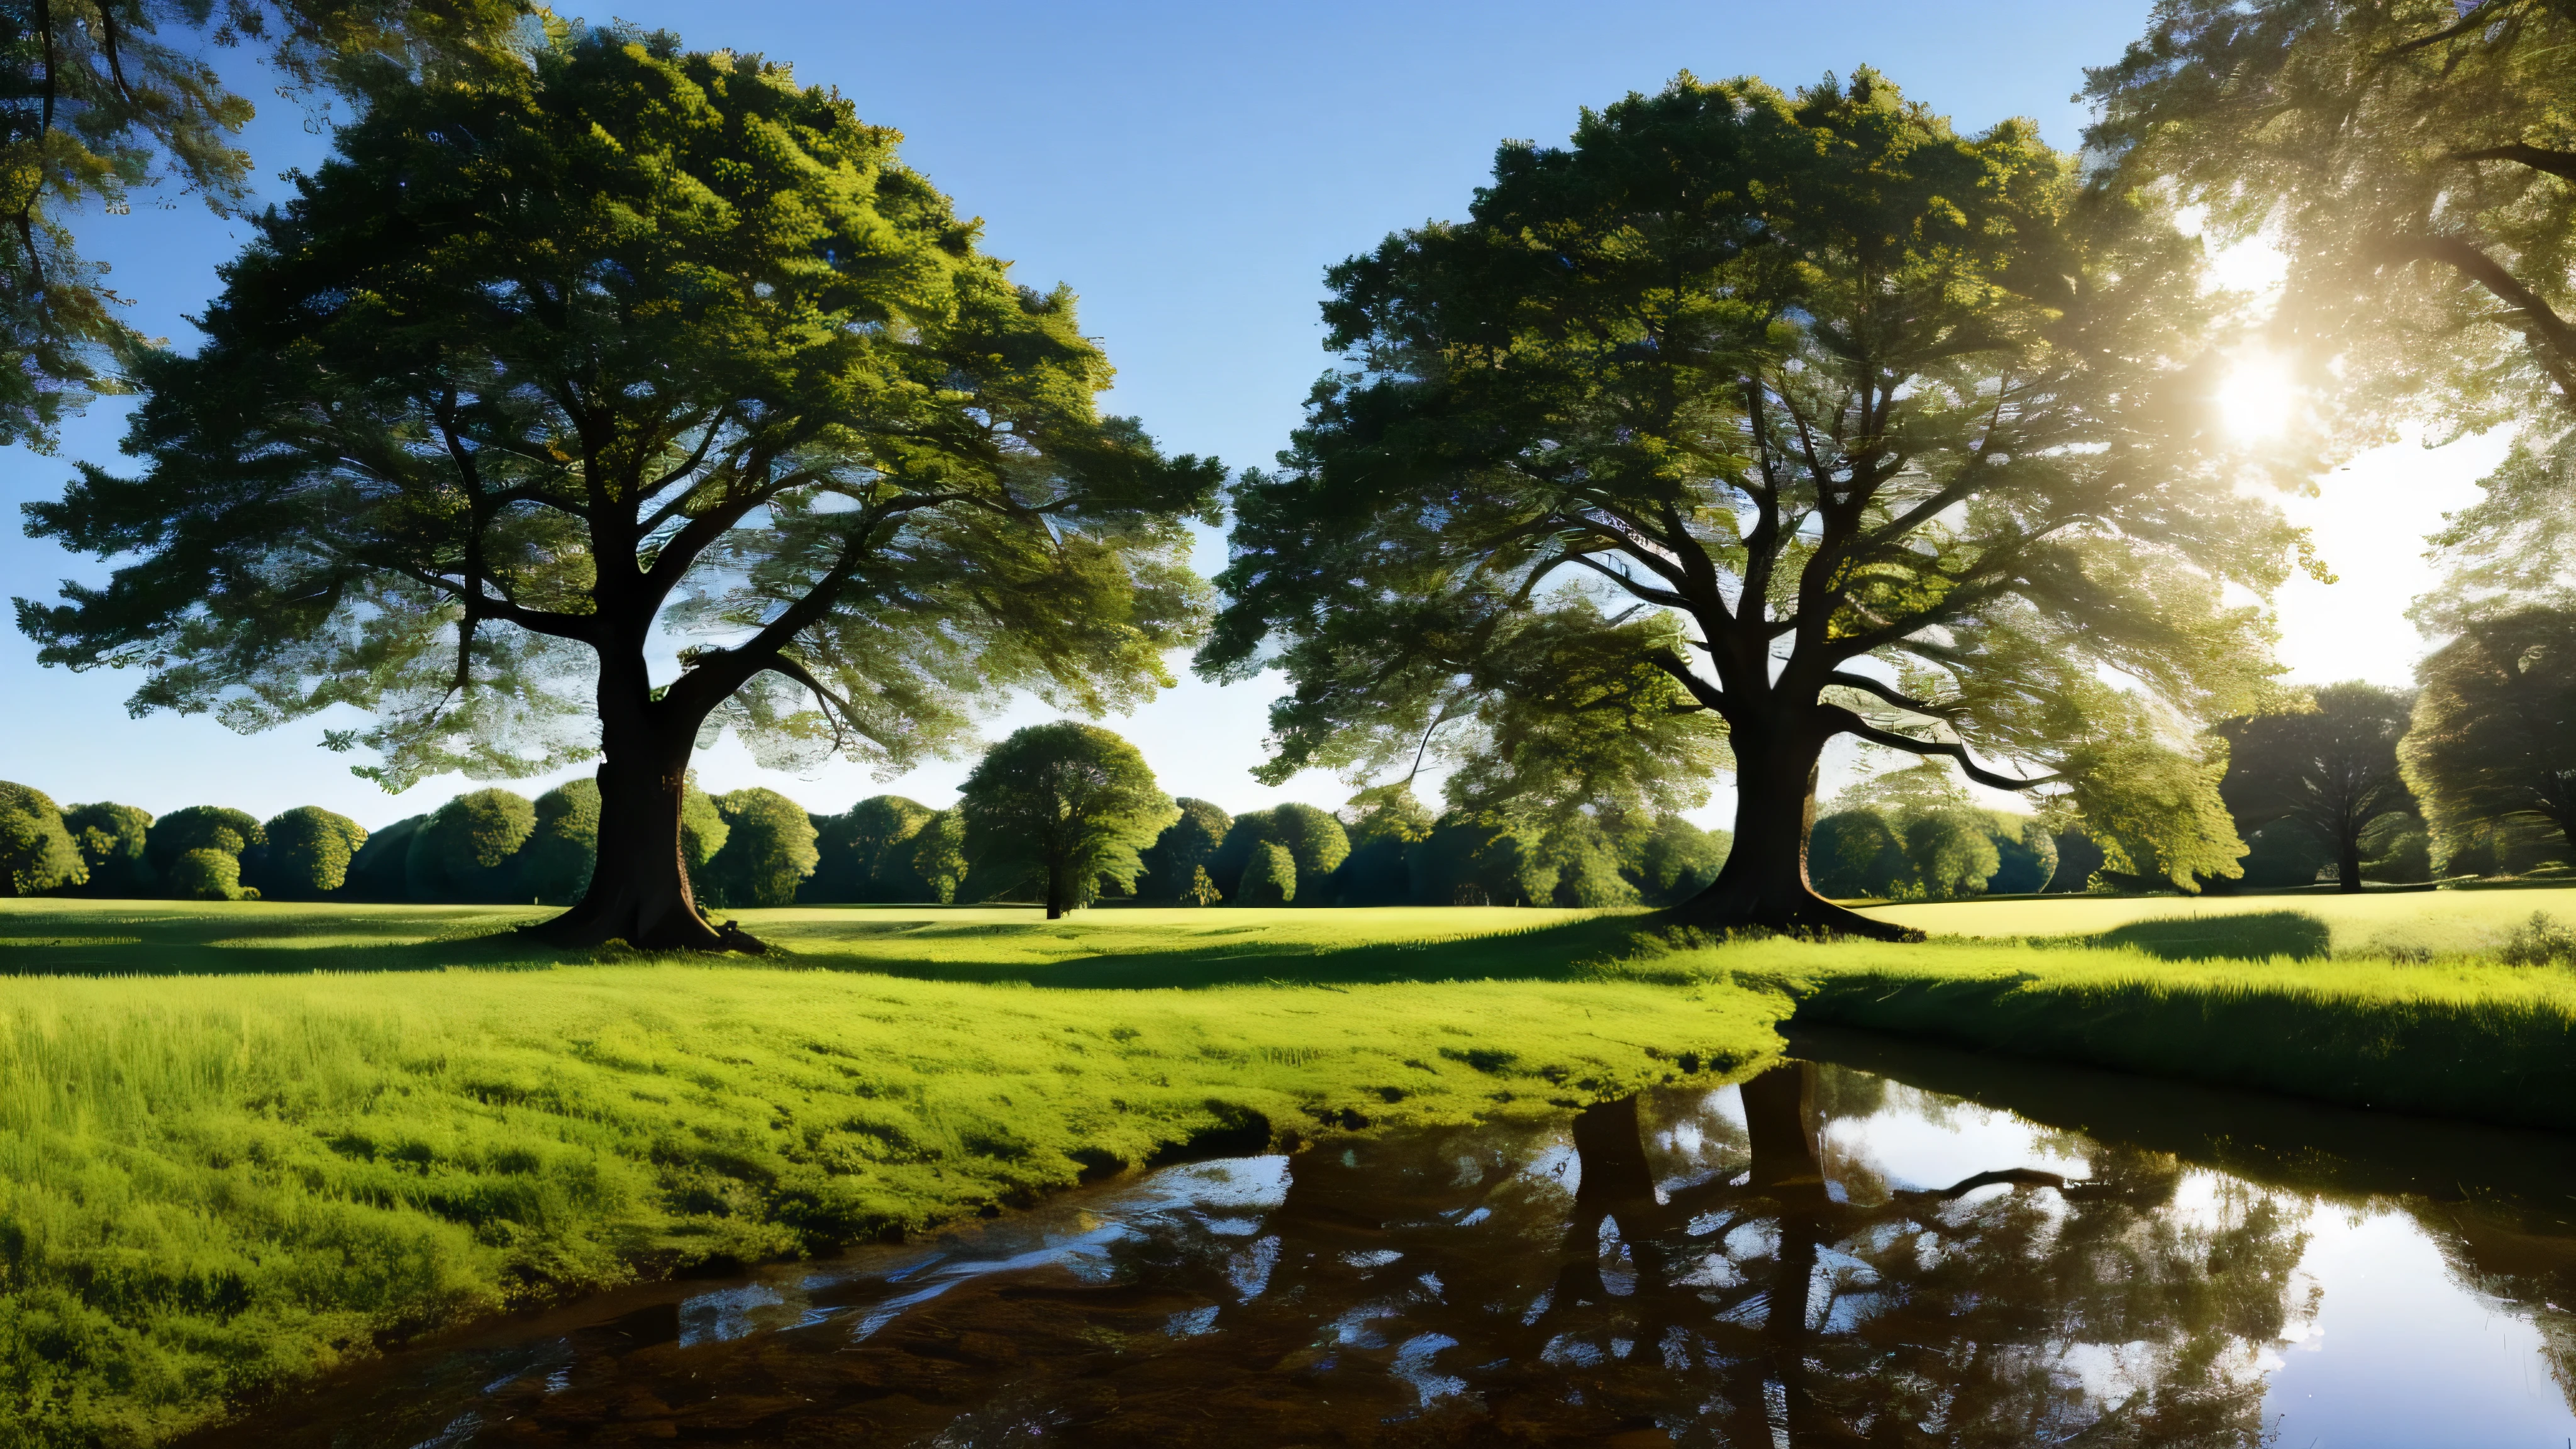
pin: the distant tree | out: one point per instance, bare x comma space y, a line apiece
1674, 860
2493, 738
1950, 852
1855, 854
1585, 856
1269, 876
1873, 428
555, 864
2079, 863
673, 341
703, 830
2025, 851
1202, 891
1173, 861
37, 855
467, 849
865, 854
1472, 859
200, 827
111, 838
939, 855
208, 875
2285, 853
1384, 823
381, 870
768, 850
2397, 850
1312, 838
308, 855
2331, 767
1067, 803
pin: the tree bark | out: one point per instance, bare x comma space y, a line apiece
639, 886
2348, 864
1764, 881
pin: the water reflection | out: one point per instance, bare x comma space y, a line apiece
1822, 1256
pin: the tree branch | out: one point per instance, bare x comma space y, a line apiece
1889, 693
1853, 724
2556, 163
2552, 335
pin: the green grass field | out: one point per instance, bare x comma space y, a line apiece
2438, 923
242, 1143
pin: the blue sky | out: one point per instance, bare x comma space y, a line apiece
1190, 170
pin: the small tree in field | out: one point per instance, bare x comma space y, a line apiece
1066, 802
540, 363
1202, 891
1749, 421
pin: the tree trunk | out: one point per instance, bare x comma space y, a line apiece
639, 888
2348, 864
1764, 881
1055, 891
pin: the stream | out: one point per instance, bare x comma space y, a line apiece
1876, 1243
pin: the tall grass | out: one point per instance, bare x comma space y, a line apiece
215, 1185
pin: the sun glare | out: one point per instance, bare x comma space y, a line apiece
2257, 398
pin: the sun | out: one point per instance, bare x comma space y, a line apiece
2258, 398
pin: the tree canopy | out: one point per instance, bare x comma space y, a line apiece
2417, 162
2493, 739
2329, 768
308, 854
105, 97
768, 850
541, 361
111, 840
1748, 420
37, 855
1069, 803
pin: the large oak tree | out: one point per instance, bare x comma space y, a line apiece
1791, 417
2329, 768
539, 364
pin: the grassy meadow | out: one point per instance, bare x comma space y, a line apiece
242, 1143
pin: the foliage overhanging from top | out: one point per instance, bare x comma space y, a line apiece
2416, 160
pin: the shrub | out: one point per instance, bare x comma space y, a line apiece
1202, 891
208, 875
200, 827
2540, 941
1269, 878
1177, 857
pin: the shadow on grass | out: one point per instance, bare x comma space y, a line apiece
179, 939
2253, 936
1556, 952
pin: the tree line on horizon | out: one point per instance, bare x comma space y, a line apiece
2362, 783
1744, 421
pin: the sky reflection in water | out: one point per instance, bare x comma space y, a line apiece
1886, 1245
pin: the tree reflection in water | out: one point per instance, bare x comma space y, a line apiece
1661, 1273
